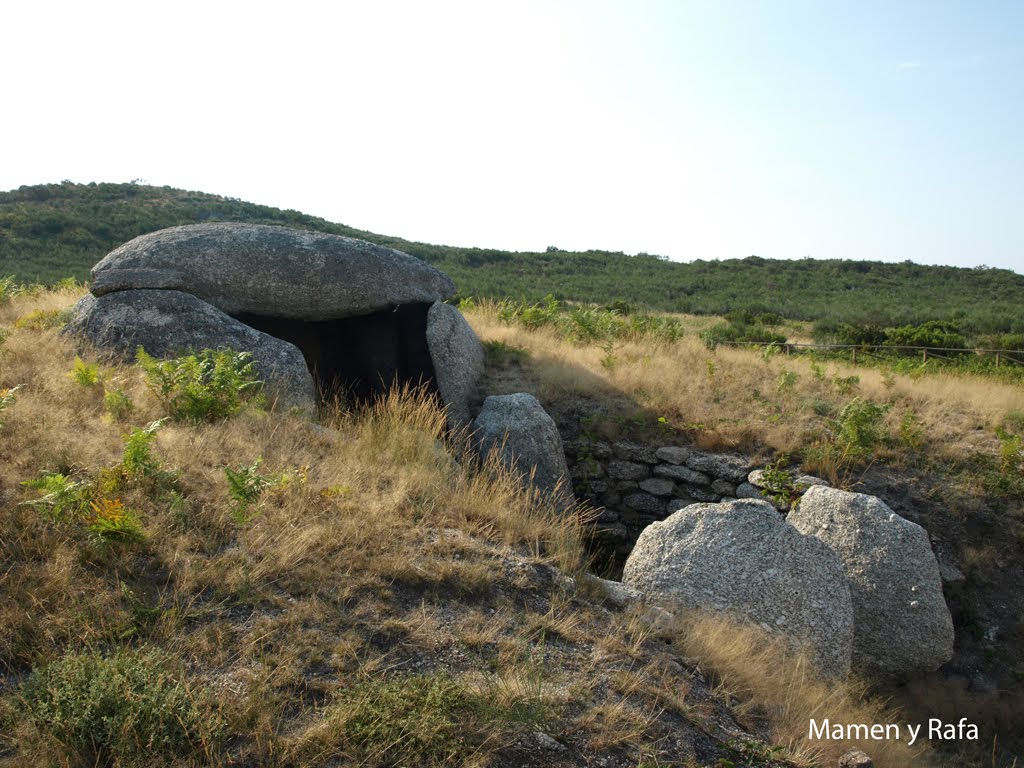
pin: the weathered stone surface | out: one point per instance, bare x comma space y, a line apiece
169, 323
674, 505
264, 270
626, 470
458, 359
806, 481
750, 491
731, 468
632, 451
657, 486
902, 626
526, 438
855, 758
682, 474
587, 469
615, 592
672, 454
612, 532
645, 503
741, 557
723, 487
698, 493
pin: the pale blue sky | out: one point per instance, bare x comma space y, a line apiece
875, 130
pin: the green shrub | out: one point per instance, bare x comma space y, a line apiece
85, 374
111, 522
125, 709
63, 500
7, 288
118, 404
415, 720
210, 385
859, 334
138, 460
246, 486
934, 333
859, 428
728, 332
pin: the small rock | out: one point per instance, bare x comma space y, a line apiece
672, 454
627, 470
807, 481
723, 488
674, 505
612, 532
645, 502
586, 469
631, 451
682, 474
657, 486
727, 467
546, 742
615, 592
855, 759
950, 574
701, 494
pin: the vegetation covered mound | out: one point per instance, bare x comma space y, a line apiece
51, 231
191, 580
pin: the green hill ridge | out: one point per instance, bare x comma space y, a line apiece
52, 231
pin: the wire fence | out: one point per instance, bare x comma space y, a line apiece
998, 356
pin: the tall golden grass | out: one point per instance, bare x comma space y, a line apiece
732, 397
384, 545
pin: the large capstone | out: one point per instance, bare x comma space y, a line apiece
902, 627
741, 558
272, 271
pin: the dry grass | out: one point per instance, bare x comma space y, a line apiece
383, 553
775, 685
739, 398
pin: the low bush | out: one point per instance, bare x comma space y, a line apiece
126, 709
736, 331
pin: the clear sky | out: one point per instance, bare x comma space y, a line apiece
720, 129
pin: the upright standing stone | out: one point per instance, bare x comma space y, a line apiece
526, 438
902, 627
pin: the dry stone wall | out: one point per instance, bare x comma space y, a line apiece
635, 484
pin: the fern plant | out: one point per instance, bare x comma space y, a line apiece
110, 522
63, 499
138, 460
245, 486
7, 398
208, 386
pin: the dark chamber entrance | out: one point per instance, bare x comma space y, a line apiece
356, 358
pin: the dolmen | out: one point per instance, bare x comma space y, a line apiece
322, 315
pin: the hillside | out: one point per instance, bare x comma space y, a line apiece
49, 232
260, 589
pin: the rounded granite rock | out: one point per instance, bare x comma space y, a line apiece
742, 558
169, 323
902, 626
273, 271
